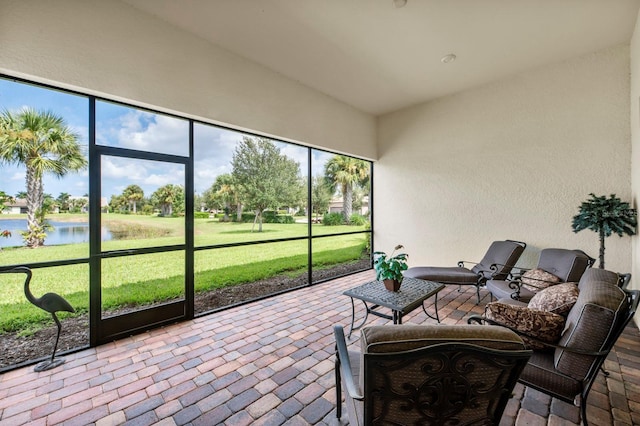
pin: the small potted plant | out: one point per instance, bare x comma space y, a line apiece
389, 268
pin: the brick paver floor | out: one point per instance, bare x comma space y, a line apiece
265, 363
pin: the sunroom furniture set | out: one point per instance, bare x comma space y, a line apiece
551, 328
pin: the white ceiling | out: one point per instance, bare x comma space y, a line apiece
379, 58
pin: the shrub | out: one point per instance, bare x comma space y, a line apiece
201, 215
286, 218
270, 216
246, 217
358, 220
333, 219
367, 248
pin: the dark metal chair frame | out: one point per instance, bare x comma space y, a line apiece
633, 298
443, 394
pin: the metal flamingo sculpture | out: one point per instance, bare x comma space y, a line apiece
52, 303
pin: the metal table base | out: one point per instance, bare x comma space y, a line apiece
413, 292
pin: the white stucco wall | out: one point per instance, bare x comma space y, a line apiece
635, 142
509, 160
110, 48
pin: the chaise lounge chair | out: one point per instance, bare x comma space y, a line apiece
496, 264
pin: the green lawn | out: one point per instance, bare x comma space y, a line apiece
160, 276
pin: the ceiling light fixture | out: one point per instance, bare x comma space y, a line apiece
448, 58
399, 3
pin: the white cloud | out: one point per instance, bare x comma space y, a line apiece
297, 154
204, 176
154, 132
213, 153
83, 131
319, 159
159, 180
214, 143
118, 173
144, 131
121, 168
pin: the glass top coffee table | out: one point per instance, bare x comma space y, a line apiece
413, 292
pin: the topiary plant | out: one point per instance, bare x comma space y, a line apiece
605, 216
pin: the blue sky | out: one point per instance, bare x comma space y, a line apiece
122, 126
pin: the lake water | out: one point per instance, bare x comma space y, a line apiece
62, 233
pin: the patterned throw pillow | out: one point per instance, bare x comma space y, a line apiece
538, 279
544, 326
558, 299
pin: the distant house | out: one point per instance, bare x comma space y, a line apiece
17, 206
336, 206
104, 205
80, 203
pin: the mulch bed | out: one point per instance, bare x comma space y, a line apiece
16, 349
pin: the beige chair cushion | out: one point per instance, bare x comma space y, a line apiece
385, 339
538, 279
399, 360
405, 337
541, 325
558, 299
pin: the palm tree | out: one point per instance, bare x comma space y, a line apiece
345, 172
166, 196
43, 143
118, 203
133, 194
227, 191
5, 198
64, 201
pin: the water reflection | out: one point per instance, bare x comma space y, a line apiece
62, 232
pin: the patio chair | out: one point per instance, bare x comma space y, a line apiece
566, 367
496, 264
429, 374
554, 266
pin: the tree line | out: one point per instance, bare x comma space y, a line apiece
262, 178
168, 200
